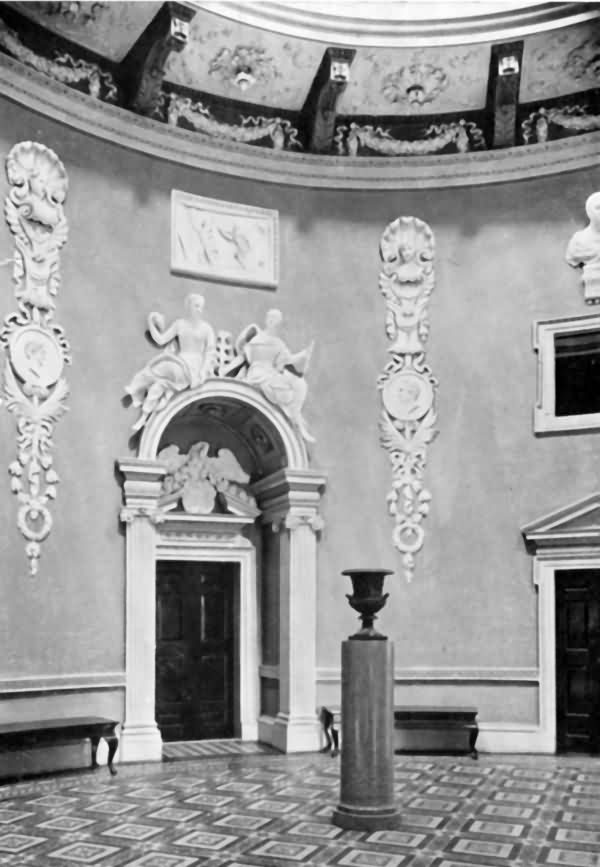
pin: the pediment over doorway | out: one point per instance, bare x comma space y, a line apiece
574, 525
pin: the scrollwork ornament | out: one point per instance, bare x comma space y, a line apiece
36, 347
407, 385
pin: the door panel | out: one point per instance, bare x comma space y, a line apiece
194, 650
578, 660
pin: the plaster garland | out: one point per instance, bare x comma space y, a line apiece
574, 118
464, 135
63, 68
281, 132
36, 347
407, 384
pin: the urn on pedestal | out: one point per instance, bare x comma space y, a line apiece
367, 598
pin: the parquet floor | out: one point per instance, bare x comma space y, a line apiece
274, 811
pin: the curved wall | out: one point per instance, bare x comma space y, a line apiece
466, 625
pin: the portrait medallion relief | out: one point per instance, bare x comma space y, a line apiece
35, 356
407, 396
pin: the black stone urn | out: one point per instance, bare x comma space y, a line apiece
367, 598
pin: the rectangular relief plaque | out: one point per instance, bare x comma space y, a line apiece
224, 241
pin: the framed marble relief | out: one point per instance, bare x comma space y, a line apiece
224, 241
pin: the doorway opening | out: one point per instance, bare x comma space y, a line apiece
197, 650
577, 594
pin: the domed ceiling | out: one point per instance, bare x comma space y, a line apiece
390, 79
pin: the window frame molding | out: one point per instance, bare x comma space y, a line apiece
545, 420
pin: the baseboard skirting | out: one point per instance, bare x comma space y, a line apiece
530, 676
515, 738
47, 683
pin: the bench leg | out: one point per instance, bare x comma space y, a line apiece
94, 741
472, 740
113, 743
336, 743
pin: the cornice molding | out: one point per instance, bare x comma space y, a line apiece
65, 105
401, 31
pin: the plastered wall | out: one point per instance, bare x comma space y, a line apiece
499, 266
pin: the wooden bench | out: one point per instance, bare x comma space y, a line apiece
439, 729
22, 736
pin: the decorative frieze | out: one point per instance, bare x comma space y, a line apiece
36, 347
407, 384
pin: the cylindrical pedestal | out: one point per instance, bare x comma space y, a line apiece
367, 759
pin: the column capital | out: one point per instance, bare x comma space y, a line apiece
128, 514
293, 520
143, 482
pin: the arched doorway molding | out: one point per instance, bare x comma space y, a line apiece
568, 538
234, 390
289, 499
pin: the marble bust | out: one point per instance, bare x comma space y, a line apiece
187, 361
583, 251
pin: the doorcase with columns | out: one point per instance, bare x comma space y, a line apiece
288, 495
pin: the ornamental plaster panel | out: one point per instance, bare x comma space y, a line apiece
227, 57
416, 81
35, 345
563, 61
52, 99
407, 384
109, 29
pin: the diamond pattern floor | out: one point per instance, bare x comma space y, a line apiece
272, 811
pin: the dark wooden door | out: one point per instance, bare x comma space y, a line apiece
194, 650
578, 660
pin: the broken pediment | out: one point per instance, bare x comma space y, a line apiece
576, 524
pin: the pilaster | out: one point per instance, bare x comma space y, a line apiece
290, 501
140, 739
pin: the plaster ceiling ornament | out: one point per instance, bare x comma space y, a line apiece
72, 11
243, 66
63, 68
193, 354
199, 481
282, 134
36, 348
415, 84
407, 385
583, 251
463, 135
583, 61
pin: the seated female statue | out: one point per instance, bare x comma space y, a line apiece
276, 371
187, 361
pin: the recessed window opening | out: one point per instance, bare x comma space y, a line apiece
577, 373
